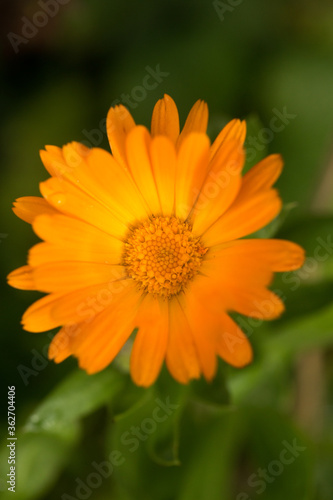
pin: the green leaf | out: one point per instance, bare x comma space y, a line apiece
211, 443
77, 396
279, 459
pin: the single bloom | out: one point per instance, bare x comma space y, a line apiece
149, 238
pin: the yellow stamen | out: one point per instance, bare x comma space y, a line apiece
162, 255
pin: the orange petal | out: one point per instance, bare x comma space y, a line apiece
82, 241
233, 345
256, 303
262, 176
22, 278
244, 217
204, 328
96, 173
67, 276
98, 342
163, 160
196, 121
151, 341
192, 164
54, 161
277, 255
28, 207
181, 358
70, 200
234, 130
58, 309
137, 148
60, 346
220, 187
119, 122
165, 119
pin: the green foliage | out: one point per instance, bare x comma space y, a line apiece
171, 442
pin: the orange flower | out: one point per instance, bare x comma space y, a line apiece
149, 238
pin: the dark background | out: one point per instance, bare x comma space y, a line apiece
247, 59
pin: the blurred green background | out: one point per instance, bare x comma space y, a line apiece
265, 431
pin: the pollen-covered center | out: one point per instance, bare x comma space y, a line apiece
162, 255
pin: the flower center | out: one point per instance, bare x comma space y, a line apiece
162, 255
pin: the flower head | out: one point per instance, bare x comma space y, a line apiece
149, 238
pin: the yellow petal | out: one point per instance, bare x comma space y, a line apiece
137, 149
181, 357
60, 347
196, 121
164, 161
277, 255
22, 278
67, 276
220, 187
204, 327
192, 164
234, 130
233, 345
151, 341
262, 176
119, 122
244, 217
71, 201
98, 342
28, 207
165, 119
57, 309
82, 241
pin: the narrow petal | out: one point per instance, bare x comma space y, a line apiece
244, 217
82, 241
28, 207
192, 165
277, 255
256, 303
181, 357
196, 121
220, 187
67, 276
137, 148
205, 328
151, 341
60, 347
57, 309
165, 119
262, 176
22, 278
164, 161
234, 130
53, 161
119, 122
70, 200
96, 173
233, 345
98, 342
